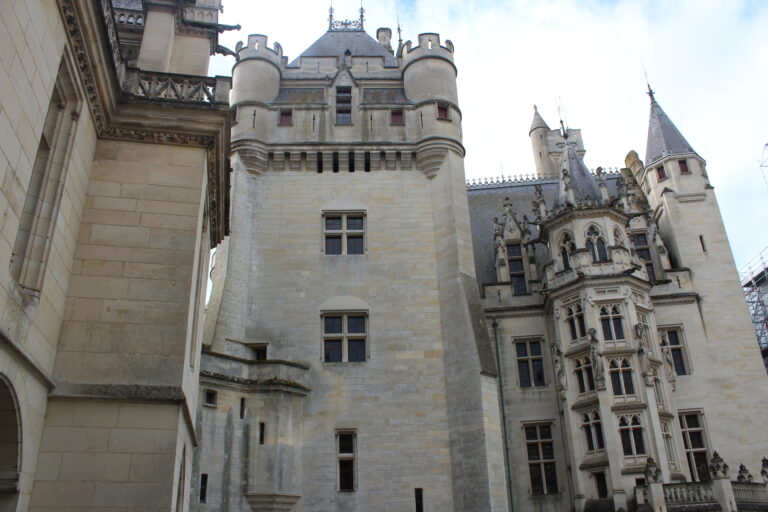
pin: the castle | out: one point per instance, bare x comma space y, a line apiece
380, 335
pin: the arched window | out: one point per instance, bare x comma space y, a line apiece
611, 322
593, 431
10, 441
575, 318
595, 244
584, 375
566, 249
621, 377
631, 433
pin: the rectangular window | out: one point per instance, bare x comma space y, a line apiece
593, 431
643, 251
419, 495
203, 487
661, 173
260, 352
286, 116
683, 166
601, 486
242, 408
367, 161
346, 441
396, 117
530, 364
695, 444
344, 337
210, 397
574, 316
516, 264
611, 321
541, 459
669, 445
344, 105
442, 111
677, 350
262, 433
344, 233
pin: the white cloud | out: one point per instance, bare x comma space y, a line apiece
707, 60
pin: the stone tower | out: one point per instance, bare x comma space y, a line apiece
346, 363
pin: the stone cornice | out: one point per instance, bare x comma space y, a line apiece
92, 36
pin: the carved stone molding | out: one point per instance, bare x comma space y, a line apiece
272, 502
430, 159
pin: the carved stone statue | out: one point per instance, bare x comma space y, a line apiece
652, 471
597, 359
557, 357
538, 193
498, 228
669, 362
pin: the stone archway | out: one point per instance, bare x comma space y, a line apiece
10, 447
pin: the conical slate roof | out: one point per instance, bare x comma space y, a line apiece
664, 138
538, 121
579, 178
335, 43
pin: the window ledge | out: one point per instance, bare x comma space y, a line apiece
284, 124
212, 406
345, 363
449, 119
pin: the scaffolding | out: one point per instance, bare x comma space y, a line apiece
754, 280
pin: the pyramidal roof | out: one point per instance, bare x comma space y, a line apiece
578, 177
538, 121
664, 138
335, 43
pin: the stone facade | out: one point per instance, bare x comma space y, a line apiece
379, 335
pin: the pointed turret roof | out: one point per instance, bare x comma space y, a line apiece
664, 138
578, 178
538, 121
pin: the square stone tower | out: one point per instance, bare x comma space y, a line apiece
346, 363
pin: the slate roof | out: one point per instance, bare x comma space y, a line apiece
131, 5
335, 43
303, 95
538, 121
664, 138
385, 96
583, 184
487, 202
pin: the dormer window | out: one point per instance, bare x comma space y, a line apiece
516, 263
683, 167
661, 173
344, 105
643, 251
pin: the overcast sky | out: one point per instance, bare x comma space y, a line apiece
707, 60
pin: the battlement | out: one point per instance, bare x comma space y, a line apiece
257, 49
429, 47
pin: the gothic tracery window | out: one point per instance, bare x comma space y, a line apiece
575, 318
611, 323
631, 434
593, 431
595, 244
584, 375
567, 246
621, 377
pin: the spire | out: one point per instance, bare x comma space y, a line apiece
575, 183
538, 121
664, 139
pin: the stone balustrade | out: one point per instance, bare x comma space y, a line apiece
174, 87
750, 492
689, 493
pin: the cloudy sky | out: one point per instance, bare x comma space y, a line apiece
707, 60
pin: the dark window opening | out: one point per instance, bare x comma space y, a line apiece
346, 456
335, 161
203, 487
661, 173
678, 352
351, 161
242, 408
442, 111
319, 162
516, 262
601, 485
683, 166
367, 161
286, 116
530, 364
262, 433
541, 459
419, 495
396, 117
211, 397
701, 241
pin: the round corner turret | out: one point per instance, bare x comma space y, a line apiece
256, 75
429, 72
